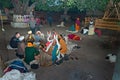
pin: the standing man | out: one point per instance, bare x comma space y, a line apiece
32, 24
50, 21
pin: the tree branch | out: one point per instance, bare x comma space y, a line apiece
25, 5
29, 9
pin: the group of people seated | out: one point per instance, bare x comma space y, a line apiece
75, 27
30, 47
89, 29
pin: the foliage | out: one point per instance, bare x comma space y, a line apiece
59, 5
91, 4
5, 3
49, 5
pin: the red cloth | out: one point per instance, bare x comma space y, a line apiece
7, 70
48, 43
99, 33
73, 37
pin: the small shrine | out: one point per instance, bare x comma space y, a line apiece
20, 21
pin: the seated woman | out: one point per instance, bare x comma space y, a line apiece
30, 53
14, 40
52, 48
56, 49
76, 27
50, 39
91, 28
38, 36
72, 29
63, 45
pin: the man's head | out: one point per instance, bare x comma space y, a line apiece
78, 18
17, 34
29, 44
38, 32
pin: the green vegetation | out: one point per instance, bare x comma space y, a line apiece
54, 5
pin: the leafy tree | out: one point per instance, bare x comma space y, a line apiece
58, 5
5, 3
25, 6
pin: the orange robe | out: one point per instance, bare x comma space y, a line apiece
77, 24
77, 27
63, 46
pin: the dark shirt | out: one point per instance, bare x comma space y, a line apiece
14, 42
30, 53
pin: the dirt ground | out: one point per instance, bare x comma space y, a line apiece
90, 65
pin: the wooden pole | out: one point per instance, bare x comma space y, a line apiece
1, 21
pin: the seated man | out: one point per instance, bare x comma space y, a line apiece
30, 53
14, 40
30, 37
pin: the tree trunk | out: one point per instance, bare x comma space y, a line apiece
31, 8
22, 8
